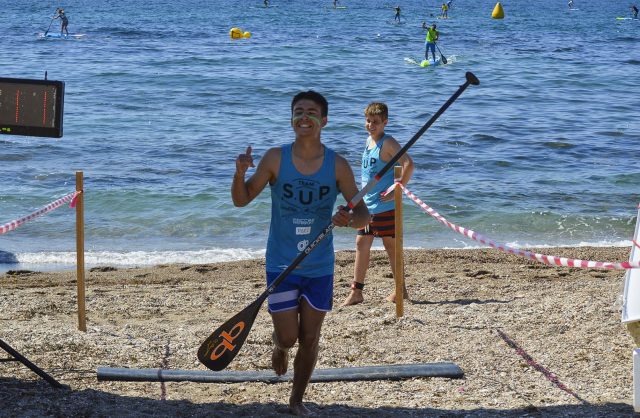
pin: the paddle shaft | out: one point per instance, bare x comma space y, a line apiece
50, 23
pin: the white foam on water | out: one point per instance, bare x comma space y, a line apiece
48, 261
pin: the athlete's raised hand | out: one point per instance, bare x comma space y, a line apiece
244, 161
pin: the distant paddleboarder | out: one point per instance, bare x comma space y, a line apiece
570, 4
397, 16
64, 21
266, 3
430, 42
634, 11
445, 10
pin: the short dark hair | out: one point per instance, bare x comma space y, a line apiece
314, 96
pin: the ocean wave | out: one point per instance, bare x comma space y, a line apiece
131, 258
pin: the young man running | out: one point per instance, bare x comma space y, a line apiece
304, 177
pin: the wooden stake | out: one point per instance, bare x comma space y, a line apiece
399, 262
82, 321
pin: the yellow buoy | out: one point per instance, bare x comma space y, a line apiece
246, 35
498, 12
235, 33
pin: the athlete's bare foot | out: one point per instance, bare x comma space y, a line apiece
354, 298
279, 359
298, 409
392, 296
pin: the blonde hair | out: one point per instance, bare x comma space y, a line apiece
377, 108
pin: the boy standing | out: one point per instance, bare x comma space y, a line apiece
305, 178
379, 149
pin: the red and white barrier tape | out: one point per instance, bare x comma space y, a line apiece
546, 259
10, 226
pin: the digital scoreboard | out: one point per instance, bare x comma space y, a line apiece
31, 107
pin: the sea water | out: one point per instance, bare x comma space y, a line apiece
159, 102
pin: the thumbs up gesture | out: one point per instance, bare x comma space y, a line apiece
244, 161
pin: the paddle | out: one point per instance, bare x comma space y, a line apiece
442, 57
50, 23
221, 347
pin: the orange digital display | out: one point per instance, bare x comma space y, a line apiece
31, 107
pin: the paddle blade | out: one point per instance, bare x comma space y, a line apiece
443, 58
222, 346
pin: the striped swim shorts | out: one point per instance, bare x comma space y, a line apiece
382, 225
318, 291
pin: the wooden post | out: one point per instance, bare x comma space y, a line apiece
399, 262
82, 321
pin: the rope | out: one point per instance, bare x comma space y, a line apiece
530, 361
551, 260
10, 226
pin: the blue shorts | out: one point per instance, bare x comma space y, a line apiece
318, 291
430, 46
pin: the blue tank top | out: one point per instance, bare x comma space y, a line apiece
301, 207
371, 165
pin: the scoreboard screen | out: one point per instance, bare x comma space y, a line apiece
31, 107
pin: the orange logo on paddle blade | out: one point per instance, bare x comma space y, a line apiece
227, 341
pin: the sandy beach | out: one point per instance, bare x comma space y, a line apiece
532, 340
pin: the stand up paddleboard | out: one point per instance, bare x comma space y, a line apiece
65, 36
423, 63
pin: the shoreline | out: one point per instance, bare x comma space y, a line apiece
202, 256
567, 320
